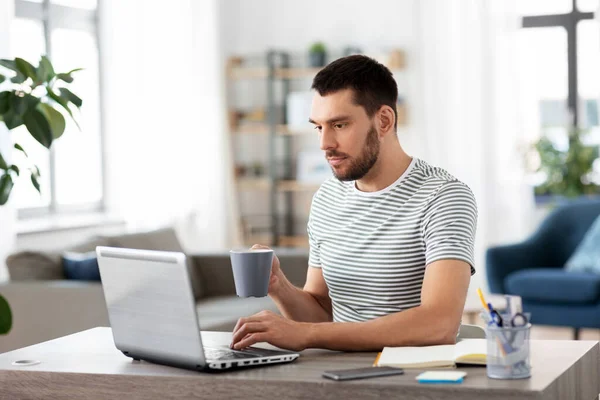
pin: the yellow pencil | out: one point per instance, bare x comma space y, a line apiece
376, 360
480, 293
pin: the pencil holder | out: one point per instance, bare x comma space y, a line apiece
508, 355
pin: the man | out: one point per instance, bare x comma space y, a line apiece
391, 237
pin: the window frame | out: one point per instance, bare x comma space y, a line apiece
53, 16
568, 21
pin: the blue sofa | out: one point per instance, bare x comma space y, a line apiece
534, 270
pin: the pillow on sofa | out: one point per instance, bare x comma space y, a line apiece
33, 266
586, 257
81, 266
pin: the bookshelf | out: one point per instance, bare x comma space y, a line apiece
262, 124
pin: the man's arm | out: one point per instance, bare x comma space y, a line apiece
311, 304
435, 321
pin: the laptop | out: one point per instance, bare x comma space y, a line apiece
152, 313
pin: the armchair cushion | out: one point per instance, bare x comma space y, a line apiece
586, 257
553, 285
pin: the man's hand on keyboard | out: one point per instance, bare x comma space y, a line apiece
269, 327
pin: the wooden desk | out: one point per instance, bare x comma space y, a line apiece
86, 365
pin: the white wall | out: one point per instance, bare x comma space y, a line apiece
7, 214
376, 26
165, 118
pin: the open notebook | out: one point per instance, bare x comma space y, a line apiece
467, 351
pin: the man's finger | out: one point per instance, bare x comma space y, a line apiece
243, 320
245, 329
260, 246
249, 340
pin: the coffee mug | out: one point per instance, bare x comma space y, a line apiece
251, 271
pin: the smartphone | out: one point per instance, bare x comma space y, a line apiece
362, 373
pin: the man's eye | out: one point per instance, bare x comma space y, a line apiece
318, 128
339, 126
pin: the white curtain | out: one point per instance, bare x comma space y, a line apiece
468, 119
7, 212
165, 119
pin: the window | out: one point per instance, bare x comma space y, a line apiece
72, 171
560, 54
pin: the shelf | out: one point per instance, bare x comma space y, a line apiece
293, 241
264, 129
295, 186
282, 186
279, 73
254, 183
284, 241
296, 73
248, 73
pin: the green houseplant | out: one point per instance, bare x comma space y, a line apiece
35, 97
568, 171
317, 54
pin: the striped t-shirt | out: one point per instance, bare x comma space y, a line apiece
373, 247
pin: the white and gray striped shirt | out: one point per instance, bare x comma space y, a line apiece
373, 247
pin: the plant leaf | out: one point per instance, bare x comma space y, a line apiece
59, 100
6, 185
39, 127
45, 71
65, 77
3, 164
2, 78
5, 316
12, 120
70, 96
26, 68
74, 70
18, 147
54, 118
15, 168
4, 102
18, 104
34, 180
20, 78
10, 64
63, 103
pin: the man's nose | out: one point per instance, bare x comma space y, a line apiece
327, 140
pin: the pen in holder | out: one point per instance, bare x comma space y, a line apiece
508, 352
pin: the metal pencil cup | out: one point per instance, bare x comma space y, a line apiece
508, 355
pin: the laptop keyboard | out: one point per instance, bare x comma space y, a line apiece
222, 354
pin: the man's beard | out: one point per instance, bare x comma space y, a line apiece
360, 166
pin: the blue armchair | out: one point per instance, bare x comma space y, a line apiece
534, 270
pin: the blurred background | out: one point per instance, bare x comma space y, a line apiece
194, 114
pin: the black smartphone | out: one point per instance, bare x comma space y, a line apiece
362, 373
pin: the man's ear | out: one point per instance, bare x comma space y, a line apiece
386, 119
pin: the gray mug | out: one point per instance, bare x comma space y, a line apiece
251, 271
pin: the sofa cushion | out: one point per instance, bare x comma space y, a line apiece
81, 266
161, 239
33, 266
221, 313
164, 239
554, 285
586, 257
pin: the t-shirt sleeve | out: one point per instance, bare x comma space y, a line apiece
449, 225
314, 257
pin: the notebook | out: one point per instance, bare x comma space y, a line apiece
467, 351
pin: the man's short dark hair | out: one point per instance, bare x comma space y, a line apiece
372, 82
